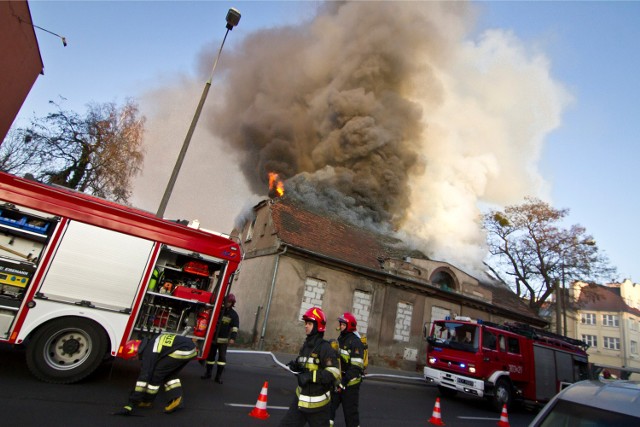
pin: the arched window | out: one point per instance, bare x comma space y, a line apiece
444, 280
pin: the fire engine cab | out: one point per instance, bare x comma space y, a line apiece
502, 363
79, 276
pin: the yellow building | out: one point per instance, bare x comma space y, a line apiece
608, 319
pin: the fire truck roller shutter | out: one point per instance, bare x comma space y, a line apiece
66, 350
96, 265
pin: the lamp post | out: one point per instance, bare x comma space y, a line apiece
233, 18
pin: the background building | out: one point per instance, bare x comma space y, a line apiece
608, 319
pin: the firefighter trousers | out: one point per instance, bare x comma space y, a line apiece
349, 398
221, 351
297, 418
165, 374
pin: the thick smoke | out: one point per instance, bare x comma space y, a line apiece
330, 104
390, 115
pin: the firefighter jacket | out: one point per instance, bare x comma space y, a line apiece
227, 326
152, 351
351, 351
319, 374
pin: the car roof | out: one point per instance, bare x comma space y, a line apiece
617, 396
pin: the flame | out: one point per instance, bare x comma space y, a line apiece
275, 184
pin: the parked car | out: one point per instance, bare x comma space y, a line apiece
593, 403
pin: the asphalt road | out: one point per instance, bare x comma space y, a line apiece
388, 398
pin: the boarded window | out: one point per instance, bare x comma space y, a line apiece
362, 309
313, 294
402, 330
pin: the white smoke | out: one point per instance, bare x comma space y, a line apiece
483, 143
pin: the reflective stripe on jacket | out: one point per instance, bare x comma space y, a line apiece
318, 357
351, 358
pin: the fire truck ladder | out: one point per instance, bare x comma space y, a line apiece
542, 335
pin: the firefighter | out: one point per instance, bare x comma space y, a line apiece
163, 357
226, 334
351, 352
318, 372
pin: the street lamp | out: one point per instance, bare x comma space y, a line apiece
233, 18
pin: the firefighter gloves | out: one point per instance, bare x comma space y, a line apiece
305, 378
294, 366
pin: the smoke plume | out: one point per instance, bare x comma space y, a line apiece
393, 116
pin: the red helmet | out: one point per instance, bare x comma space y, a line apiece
130, 349
230, 298
315, 314
350, 320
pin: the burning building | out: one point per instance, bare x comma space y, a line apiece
296, 258
388, 124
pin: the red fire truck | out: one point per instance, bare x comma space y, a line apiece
79, 276
502, 363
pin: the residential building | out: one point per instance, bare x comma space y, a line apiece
608, 319
296, 258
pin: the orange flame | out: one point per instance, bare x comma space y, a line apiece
275, 184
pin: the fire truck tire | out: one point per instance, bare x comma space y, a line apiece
446, 391
66, 350
503, 394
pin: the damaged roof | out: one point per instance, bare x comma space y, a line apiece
330, 236
297, 226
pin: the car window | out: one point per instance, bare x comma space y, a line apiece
569, 414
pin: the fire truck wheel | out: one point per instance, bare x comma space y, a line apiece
503, 394
66, 350
447, 392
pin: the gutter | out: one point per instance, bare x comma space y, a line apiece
268, 309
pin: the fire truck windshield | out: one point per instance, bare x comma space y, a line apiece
455, 335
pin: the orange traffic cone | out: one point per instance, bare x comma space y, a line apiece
260, 410
504, 418
436, 419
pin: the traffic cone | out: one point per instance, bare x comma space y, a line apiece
436, 419
504, 418
260, 410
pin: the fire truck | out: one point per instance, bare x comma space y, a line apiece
79, 276
502, 362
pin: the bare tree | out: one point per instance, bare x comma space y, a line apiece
16, 155
98, 153
527, 243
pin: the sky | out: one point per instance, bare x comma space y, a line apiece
491, 102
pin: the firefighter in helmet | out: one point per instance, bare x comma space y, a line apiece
163, 357
318, 372
351, 352
226, 334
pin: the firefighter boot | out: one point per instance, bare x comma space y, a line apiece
218, 378
173, 405
207, 373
